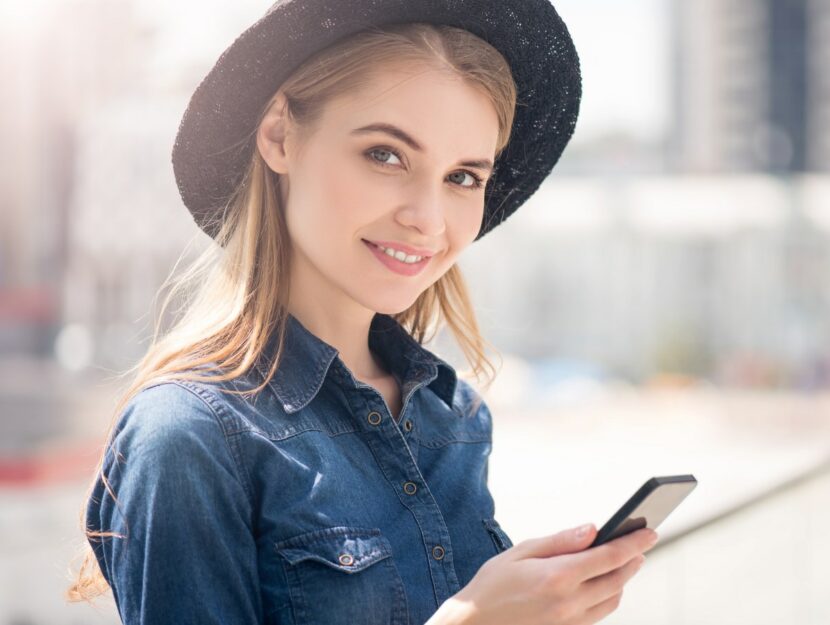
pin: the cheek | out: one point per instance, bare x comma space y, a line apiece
463, 225
462, 229
346, 196
328, 204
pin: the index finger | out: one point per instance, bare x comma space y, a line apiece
595, 561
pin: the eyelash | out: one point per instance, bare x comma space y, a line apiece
368, 154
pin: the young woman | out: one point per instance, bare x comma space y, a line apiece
289, 451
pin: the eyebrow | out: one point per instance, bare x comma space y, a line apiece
401, 135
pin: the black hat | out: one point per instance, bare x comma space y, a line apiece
215, 136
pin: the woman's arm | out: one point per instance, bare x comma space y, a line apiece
188, 553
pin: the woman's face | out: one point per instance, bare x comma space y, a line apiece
350, 183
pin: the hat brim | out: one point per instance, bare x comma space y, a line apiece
215, 136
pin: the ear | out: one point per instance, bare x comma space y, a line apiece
271, 135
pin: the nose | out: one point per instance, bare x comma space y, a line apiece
425, 212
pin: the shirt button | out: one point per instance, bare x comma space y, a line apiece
346, 558
374, 417
409, 488
407, 425
438, 552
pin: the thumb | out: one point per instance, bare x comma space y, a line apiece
567, 541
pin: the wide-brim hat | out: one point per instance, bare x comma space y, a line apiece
215, 137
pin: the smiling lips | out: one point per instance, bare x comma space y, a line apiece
403, 247
398, 266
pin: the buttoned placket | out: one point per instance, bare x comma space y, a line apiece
387, 441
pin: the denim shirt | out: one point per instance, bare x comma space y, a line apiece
306, 503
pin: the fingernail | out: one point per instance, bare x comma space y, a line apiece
582, 530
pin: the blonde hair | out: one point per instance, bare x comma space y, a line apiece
233, 295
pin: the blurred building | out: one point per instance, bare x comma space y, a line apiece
718, 278
56, 61
91, 221
818, 84
128, 226
751, 85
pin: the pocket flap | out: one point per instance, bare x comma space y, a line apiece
347, 549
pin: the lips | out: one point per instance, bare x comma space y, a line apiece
406, 249
399, 267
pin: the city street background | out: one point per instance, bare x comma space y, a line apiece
660, 306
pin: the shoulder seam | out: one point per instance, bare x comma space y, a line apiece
209, 401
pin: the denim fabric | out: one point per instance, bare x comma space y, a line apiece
304, 504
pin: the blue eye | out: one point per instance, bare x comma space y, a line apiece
382, 150
477, 180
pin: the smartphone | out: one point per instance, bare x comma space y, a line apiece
648, 507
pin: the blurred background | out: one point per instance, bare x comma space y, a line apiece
661, 305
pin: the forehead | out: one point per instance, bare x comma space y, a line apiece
432, 103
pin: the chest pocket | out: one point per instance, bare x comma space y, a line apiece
343, 575
500, 538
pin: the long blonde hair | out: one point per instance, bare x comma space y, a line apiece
233, 295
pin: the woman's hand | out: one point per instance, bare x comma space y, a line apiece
551, 580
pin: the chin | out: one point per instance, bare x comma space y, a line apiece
389, 305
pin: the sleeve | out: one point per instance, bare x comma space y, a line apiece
471, 402
184, 549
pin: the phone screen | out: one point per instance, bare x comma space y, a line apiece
648, 507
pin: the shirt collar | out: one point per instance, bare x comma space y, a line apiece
306, 359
